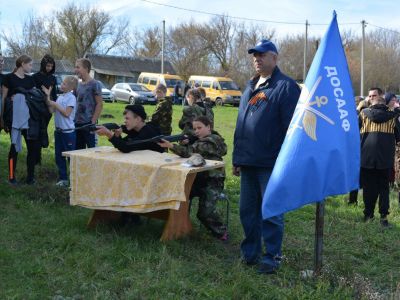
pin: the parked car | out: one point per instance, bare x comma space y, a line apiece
221, 90
151, 80
133, 93
59, 80
106, 94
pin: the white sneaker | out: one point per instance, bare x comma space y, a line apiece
63, 183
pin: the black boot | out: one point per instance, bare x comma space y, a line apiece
353, 197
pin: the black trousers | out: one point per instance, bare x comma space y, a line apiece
32, 158
375, 182
84, 138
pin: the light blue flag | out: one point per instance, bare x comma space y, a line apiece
320, 156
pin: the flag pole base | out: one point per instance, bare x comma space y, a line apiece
319, 237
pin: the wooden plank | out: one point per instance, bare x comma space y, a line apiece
178, 224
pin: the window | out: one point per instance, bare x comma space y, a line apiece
146, 80
228, 85
138, 87
215, 85
153, 81
119, 79
173, 82
206, 84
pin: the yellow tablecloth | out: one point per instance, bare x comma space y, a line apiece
140, 181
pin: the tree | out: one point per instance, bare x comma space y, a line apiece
246, 37
31, 40
68, 33
148, 42
186, 51
291, 55
81, 27
217, 37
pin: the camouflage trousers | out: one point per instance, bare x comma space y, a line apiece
397, 167
209, 190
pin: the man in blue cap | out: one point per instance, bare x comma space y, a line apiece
265, 111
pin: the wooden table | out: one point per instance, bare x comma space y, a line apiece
177, 223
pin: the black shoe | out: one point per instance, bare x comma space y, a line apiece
267, 269
384, 223
13, 181
30, 181
368, 218
249, 263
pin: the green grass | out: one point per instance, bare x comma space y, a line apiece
46, 251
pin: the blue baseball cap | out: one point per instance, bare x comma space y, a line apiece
263, 46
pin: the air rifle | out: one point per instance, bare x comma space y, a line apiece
159, 138
114, 126
92, 127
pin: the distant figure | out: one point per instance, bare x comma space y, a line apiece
195, 108
208, 104
185, 90
45, 77
392, 102
380, 130
89, 104
162, 116
64, 135
177, 93
362, 104
18, 120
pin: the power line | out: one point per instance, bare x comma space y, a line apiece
386, 29
325, 24
220, 15
242, 18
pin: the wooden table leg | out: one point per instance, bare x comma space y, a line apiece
101, 216
178, 223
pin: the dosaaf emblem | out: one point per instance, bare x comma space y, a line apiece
306, 112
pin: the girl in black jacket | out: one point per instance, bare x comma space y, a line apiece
14, 81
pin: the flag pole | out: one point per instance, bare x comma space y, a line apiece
319, 236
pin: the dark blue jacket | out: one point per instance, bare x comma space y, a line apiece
263, 119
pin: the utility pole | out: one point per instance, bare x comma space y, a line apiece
162, 48
363, 25
305, 52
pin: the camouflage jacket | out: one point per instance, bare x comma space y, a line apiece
162, 116
189, 114
211, 147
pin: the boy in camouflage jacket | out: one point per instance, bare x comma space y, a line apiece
196, 108
208, 185
162, 116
